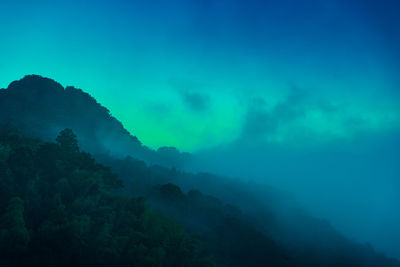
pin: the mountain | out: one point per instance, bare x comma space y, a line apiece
58, 205
41, 107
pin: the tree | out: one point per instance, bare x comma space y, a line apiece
14, 235
67, 141
171, 192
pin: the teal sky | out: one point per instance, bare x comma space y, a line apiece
190, 74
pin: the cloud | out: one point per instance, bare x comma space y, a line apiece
304, 118
195, 101
192, 94
262, 121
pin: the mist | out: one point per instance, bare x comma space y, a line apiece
351, 182
343, 168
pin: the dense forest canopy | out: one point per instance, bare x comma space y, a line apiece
60, 208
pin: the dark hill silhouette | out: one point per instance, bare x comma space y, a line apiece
41, 107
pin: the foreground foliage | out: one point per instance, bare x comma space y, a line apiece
60, 208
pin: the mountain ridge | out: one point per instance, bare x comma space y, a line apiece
42, 107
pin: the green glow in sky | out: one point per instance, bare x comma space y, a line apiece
177, 79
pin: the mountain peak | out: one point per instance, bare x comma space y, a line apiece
36, 83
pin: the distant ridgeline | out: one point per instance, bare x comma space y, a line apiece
41, 107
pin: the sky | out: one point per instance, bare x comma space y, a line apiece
287, 82
193, 69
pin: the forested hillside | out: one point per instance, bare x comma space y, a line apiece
61, 206
241, 224
41, 107
58, 207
